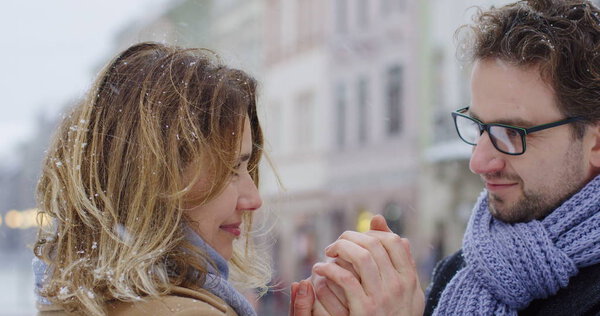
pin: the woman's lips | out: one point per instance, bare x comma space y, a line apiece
233, 229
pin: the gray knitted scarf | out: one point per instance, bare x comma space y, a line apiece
216, 281
510, 265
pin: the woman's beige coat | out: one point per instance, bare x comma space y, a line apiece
181, 302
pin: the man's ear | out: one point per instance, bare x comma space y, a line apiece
594, 134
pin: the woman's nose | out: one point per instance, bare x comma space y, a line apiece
249, 199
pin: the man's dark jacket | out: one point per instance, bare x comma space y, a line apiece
580, 297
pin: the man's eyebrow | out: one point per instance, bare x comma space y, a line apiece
517, 122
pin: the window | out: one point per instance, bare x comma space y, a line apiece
362, 109
340, 97
273, 21
341, 16
388, 6
363, 13
304, 120
276, 130
393, 100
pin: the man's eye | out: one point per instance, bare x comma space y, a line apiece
512, 133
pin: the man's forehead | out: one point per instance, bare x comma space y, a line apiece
510, 94
508, 119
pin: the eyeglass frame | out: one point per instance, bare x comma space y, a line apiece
485, 127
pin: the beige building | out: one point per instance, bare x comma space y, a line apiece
339, 87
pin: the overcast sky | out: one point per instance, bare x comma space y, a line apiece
49, 51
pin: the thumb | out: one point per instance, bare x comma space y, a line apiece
303, 300
379, 223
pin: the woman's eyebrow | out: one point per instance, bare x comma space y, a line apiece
245, 157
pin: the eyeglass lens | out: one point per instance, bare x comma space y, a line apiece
505, 139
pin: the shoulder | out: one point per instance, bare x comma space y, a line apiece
442, 274
180, 302
580, 297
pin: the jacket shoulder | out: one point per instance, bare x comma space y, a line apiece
580, 297
181, 302
442, 274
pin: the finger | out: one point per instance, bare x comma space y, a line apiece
346, 265
328, 299
363, 261
293, 291
378, 223
377, 252
353, 290
304, 299
319, 310
373, 244
337, 291
397, 248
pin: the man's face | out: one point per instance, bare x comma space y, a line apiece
554, 165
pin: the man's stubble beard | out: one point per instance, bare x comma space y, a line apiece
537, 204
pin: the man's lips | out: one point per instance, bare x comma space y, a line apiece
499, 186
233, 229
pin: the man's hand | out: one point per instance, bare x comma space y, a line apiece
372, 274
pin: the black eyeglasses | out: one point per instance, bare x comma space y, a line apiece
507, 139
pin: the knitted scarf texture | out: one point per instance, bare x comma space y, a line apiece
509, 265
216, 280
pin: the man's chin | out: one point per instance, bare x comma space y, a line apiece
502, 211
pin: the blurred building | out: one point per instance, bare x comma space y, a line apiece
448, 190
17, 221
355, 98
339, 83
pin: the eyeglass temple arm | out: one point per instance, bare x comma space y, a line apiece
550, 125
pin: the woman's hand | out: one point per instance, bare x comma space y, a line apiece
303, 300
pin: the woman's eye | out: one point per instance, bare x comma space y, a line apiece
236, 170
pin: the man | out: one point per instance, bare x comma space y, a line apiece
532, 245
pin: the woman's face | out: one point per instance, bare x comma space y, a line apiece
218, 221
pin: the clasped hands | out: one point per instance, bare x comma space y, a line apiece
370, 273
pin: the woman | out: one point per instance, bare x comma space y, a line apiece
151, 183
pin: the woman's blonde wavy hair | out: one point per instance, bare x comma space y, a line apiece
113, 183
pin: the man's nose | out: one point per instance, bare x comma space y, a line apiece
485, 158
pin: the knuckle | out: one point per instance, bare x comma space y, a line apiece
321, 289
345, 234
405, 241
370, 306
371, 241
363, 256
396, 239
316, 266
348, 278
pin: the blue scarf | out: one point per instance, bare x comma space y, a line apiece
510, 265
216, 281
